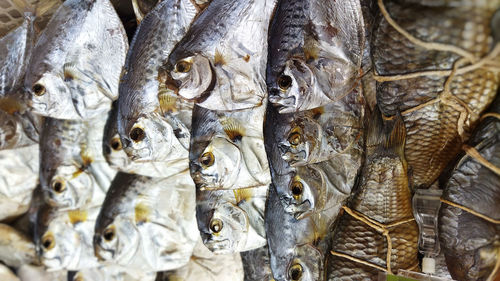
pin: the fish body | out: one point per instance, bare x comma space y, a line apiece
227, 149
153, 123
143, 7
18, 128
64, 238
231, 221
73, 171
220, 62
136, 228
315, 53
383, 196
471, 244
439, 111
15, 248
256, 265
76, 62
29, 272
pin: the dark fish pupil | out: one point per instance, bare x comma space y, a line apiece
57, 186
137, 134
38, 89
295, 274
108, 235
115, 144
47, 243
284, 82
296, 189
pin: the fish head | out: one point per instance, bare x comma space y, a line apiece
190, 77
8, 130
117, 241
114, 153
217, 167
60, 245
50, 96
298, 144
69, 186
223, 227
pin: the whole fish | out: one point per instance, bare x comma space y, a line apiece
303, 190
18, 178
439, 109
77, 60
296, 247
227, 149
231, 220
147, 223
315, 53
119, 160
73, 171
256, 265
470, 243
154, 123
220, 62
381, 204
15, 248
64, 238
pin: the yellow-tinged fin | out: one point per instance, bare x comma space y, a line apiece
397, 137
86, 161
242, 194
375, 134
317, 112
234, 130
168, 102
219, 58
142, 213
10, 105
311, 50
246, 58
76, 216
69, 71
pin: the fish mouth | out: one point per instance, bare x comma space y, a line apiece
283, 104
298, 210
219, 246
294, 158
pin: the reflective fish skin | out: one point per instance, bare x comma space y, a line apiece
71, 74
15, 248
383, 196
153, 122
256, 265
18, 128
231, 221
220, 63
296, 247
304, 190
15, 51
470, 244
227, 149
435, 129
143, 7
315, 53
136, 229
64, 238
118, 159
73, 172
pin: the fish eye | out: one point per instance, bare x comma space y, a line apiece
295, 272
58, 185
296, 187
207, 159
109, 234
48, 242
294, 138
183, 66
137, 134
38, 89
216, 225
116, 144
284, 82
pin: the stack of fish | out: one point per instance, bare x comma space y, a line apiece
249, 139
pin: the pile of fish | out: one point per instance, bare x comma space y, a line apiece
250, 140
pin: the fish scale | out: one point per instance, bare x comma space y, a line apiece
434, 136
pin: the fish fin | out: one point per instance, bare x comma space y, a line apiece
242, 194
70, 71
167, 101
142, 213
77, 216
219, 58
11, 105
375, 135
396, 139
317, 112
233, 129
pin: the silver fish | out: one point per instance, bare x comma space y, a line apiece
15, 248
143, 7
18, 127
29, 272
227, 149
137, 229
220, 63
231, 220
315, 53
73, 172
64, 238
153, 123
76, 63
256, 265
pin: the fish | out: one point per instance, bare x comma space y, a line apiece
19, 170
136, 229
29, 272
307, 189
15, 247
71, 74
73, 171
63, 239
6, 274
380, 204
296, 247
220, 63
227, 149
231, 221
143, 7
15, 52
110, 272
470, 243
117, 158
256, 265
439, 109
153, 123
18, 128
315, 53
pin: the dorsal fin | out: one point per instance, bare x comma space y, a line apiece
397, 136
375, 134
233, 129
